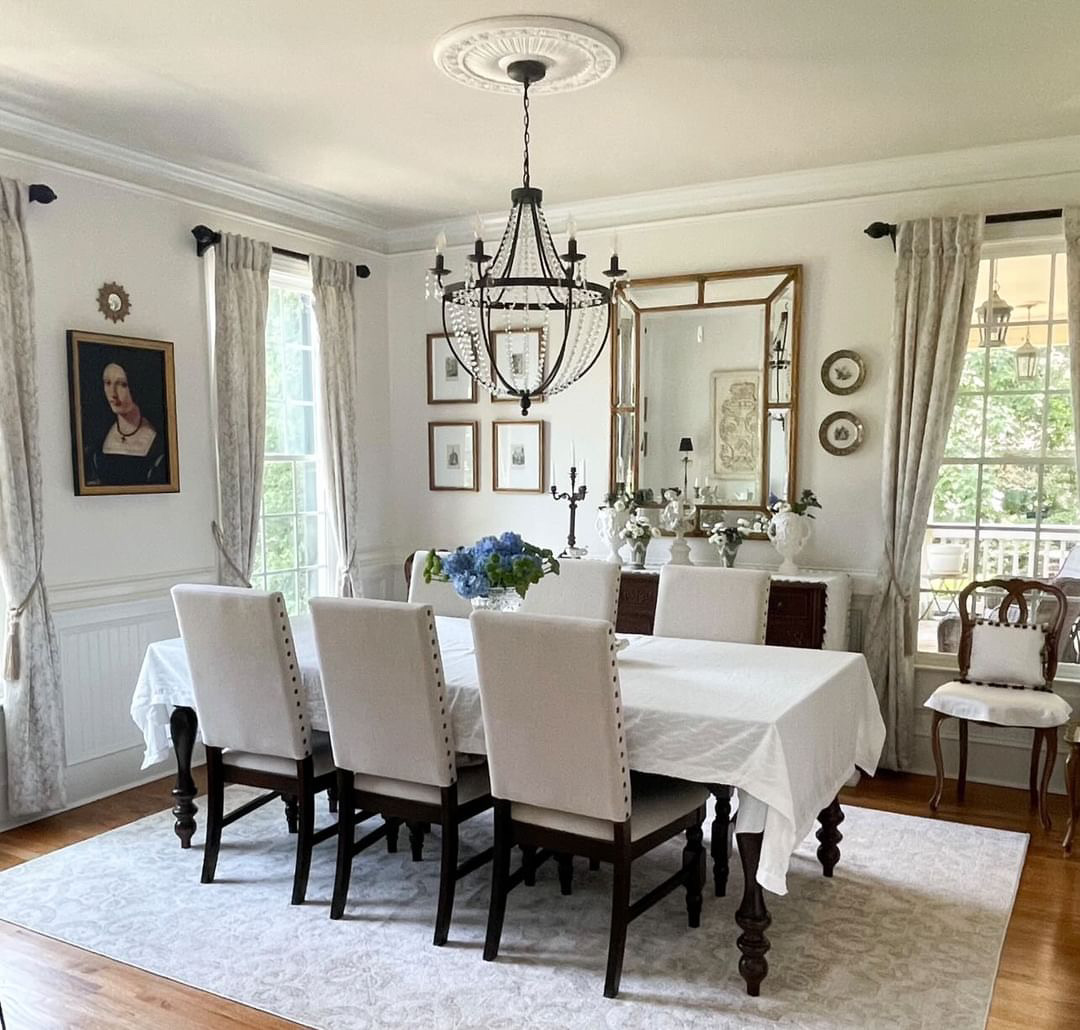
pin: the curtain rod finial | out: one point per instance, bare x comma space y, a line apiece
879, 230
39, 193
362, 271
205, 238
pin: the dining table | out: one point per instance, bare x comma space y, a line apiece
781, 728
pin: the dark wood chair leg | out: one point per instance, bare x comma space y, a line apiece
305, 837
447, 878
720, 845
566, 873
292, 808
1072, 774
620, 918
183, 725
500, 876
752, 916
829, 836
961, 774
594, 864
694, 868
346, 834
215, 812
528, 863
939, 762
332, 798
1033, 775
393, 826
416, 840
1050, 761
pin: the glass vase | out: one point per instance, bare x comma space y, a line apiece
499, 599
727, 555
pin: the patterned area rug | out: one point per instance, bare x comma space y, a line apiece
907, 934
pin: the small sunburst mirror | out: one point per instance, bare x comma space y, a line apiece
113, 302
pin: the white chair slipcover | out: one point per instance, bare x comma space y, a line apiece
700, 603
244, 672
442, 597
583, 589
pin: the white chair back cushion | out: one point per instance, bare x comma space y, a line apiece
583, 589
1009, 655
712, 604
442, 597
383, 684
552, 709
244, 671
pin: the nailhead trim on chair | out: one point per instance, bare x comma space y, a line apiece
451, 765
618, 723
292, 670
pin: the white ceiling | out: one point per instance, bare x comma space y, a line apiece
342, 96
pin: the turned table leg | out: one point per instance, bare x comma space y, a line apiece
830, 836
720, 846
183, 725
752, 916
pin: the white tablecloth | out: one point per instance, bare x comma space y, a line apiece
785, 726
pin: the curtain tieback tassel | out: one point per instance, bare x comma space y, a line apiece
12, 662
219, 539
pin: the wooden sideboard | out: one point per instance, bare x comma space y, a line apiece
796, 609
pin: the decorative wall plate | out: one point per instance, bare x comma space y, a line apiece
843, 371
841, 433
113, 302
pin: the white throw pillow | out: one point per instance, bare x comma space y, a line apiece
1007, 655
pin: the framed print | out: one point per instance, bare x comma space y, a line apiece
520, 355
447, 381
517, 462
122, 394
452, 456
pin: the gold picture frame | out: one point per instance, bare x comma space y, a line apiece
122, 397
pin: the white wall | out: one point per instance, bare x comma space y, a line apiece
109, 561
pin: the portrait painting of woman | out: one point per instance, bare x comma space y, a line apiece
123, 418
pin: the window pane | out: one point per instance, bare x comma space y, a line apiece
284, 583
1054, 550
277, 487
300, 437
1021, 280
1014, 425
1009, 495
292, 317
1059, 495
965, 432
1059, 368
298, 379
280, 542
258, 567
307, 486
274, 381
275, 428
973, 376
309, 587
1059, 426
954, 498
1003, 361
1005, 554
309, 539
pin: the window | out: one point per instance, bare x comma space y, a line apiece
1006, 498
292, 551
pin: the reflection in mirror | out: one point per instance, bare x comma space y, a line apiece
711, 359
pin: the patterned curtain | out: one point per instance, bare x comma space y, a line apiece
936, 270
335, 311
1071, 218
33, 714
241, 296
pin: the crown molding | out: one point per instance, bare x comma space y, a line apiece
890, 176
34, 140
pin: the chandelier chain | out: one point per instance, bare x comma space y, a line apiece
525, 165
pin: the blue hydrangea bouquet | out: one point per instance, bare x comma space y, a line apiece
501, 564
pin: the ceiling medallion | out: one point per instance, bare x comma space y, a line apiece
527, 321
479, 54
113, 302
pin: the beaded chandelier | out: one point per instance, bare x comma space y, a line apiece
527, 322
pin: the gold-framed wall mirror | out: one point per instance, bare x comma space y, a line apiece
709, 361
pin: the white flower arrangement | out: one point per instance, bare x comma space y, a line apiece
723, 534
637, 529
620, 501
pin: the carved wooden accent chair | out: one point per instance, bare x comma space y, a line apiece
1007, 666
246, 681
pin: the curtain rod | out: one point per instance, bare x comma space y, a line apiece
41, 194
205, 238
879, 230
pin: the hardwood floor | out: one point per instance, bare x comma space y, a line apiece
45, 984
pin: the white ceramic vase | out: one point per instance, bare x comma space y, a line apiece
609, 523
789, 534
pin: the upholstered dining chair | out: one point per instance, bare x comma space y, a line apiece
553, 722
584, 589
1007, 666
441, 597
249, 700
391, 736
731, 605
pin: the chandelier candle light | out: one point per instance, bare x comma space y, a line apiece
526, 290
